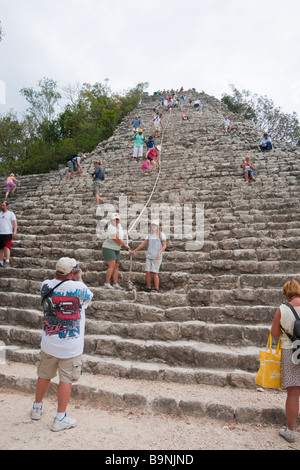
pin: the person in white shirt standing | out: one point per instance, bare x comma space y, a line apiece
157, 244
8, 231
64, 301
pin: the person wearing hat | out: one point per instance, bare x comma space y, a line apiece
74, 165
139, 140
111, 251
157, 243
153, 155
11, 184
64, 301
266, 143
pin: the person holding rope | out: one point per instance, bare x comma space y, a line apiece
157, 244
153, 155
111, 251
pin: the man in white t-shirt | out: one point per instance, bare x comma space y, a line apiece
8, 230
227, 124
64, 301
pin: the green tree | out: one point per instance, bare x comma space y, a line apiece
263, 112
42, 140
42, 101
12, 143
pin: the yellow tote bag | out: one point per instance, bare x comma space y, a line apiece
269, 373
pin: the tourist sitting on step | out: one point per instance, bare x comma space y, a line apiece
185, 116
157, 244
197, 104
111, 251
139, 140
266, 143
64, 300
283, 327
227, 125
8, 231
248, 168
11, 184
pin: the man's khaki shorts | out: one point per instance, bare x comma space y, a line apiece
69, 370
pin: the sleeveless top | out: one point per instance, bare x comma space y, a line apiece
287, 322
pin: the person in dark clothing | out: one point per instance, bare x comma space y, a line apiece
98, 176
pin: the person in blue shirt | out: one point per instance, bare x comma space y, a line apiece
136, 124
266, 143
150, 142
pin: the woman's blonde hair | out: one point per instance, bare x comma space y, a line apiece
291, 289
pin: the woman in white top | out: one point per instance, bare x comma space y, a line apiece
157, 244
283, 324
111, 251
248, 168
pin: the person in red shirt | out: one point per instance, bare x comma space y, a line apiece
152, 155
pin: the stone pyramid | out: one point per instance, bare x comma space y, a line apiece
194, 347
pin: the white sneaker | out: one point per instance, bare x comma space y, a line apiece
108, 286
117, 287
65, 423
287, 434
36, 413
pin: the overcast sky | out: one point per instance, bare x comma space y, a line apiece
205, 44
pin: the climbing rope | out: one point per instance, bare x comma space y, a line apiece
129, 283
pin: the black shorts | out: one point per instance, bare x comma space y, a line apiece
5, 240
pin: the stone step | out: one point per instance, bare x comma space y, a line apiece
154, 324
194, 296
192, 354
10, 279
175, 398
257, 256
142, 307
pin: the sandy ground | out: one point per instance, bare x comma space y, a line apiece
122, 430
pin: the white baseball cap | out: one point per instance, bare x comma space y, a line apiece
65, 265
155, 222
114, 216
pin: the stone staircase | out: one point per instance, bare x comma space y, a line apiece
216, 304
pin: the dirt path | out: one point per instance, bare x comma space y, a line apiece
119, 430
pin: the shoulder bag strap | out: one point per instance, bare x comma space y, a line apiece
51, 290
296, 316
